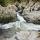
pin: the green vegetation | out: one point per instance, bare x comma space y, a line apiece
36, 0
6, 2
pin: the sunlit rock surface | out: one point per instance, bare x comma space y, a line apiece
7, 14
31, 12
36, 6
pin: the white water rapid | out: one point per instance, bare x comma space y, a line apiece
21, 24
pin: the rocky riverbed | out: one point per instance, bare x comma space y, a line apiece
20, 21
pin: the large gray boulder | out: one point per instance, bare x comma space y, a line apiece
31, 13
7, 14
33, 16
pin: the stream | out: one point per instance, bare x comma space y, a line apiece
21, 24
9, 29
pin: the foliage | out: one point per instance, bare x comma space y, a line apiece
6, 2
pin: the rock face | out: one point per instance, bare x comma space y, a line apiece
27, 35
7, 14
33, 16
31, 13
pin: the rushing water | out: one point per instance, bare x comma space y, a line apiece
9, 29
21, 24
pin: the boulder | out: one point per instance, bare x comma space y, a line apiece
27, 35
31, 13
29, 5
7, 14
12, 7
32, 17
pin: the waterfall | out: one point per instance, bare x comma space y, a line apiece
20, 18
17, 23
27, 26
